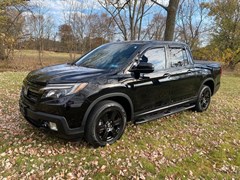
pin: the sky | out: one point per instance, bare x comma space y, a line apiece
60, 5
57, 5
55, 8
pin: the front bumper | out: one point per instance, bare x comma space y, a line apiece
41, 120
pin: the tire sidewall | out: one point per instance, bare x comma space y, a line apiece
91, 135
199, 107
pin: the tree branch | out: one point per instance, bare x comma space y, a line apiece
164, 7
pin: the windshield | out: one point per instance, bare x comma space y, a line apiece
108, 56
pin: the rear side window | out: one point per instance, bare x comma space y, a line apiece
157, 57
177, 57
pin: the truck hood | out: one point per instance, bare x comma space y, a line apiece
63, 73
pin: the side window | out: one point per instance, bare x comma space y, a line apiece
157, 57
177, 57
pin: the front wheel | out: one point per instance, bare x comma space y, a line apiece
204, 99
106, 123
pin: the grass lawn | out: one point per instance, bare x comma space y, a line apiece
28, 60
185, 145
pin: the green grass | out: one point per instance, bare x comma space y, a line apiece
187, 145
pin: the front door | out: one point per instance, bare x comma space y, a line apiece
151, 90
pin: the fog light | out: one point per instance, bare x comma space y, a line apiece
53, 126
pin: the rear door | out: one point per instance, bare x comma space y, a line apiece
185, 79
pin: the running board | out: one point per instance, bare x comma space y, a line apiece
155, 116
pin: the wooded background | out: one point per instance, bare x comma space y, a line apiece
210, 27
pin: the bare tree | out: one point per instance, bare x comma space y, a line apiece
101, 26
155, 29
171, 10
41, 26
128, 16
67, 38
192, 22
76, 16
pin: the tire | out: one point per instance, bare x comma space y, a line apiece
106, 123
204, 99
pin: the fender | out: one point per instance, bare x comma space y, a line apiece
208, 79
105, 97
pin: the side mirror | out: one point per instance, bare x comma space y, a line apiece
142, 67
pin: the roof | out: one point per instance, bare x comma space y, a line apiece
154, 42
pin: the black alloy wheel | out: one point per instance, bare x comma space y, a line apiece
204, 99
106, 123
109, 124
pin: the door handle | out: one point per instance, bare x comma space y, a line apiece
167, 75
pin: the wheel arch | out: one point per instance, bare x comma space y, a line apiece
120, 98
210, 83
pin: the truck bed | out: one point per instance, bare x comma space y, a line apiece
212, 64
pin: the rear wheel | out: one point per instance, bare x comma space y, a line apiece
106, 123
204, 99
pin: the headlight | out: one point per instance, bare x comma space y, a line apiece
59, 90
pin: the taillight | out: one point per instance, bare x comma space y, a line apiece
220, 70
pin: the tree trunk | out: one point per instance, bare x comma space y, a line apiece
171, 18
2, 51
40, 51
231, 65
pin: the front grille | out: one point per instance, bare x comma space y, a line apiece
33, 95
32, 91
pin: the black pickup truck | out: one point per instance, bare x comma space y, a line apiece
136, 81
